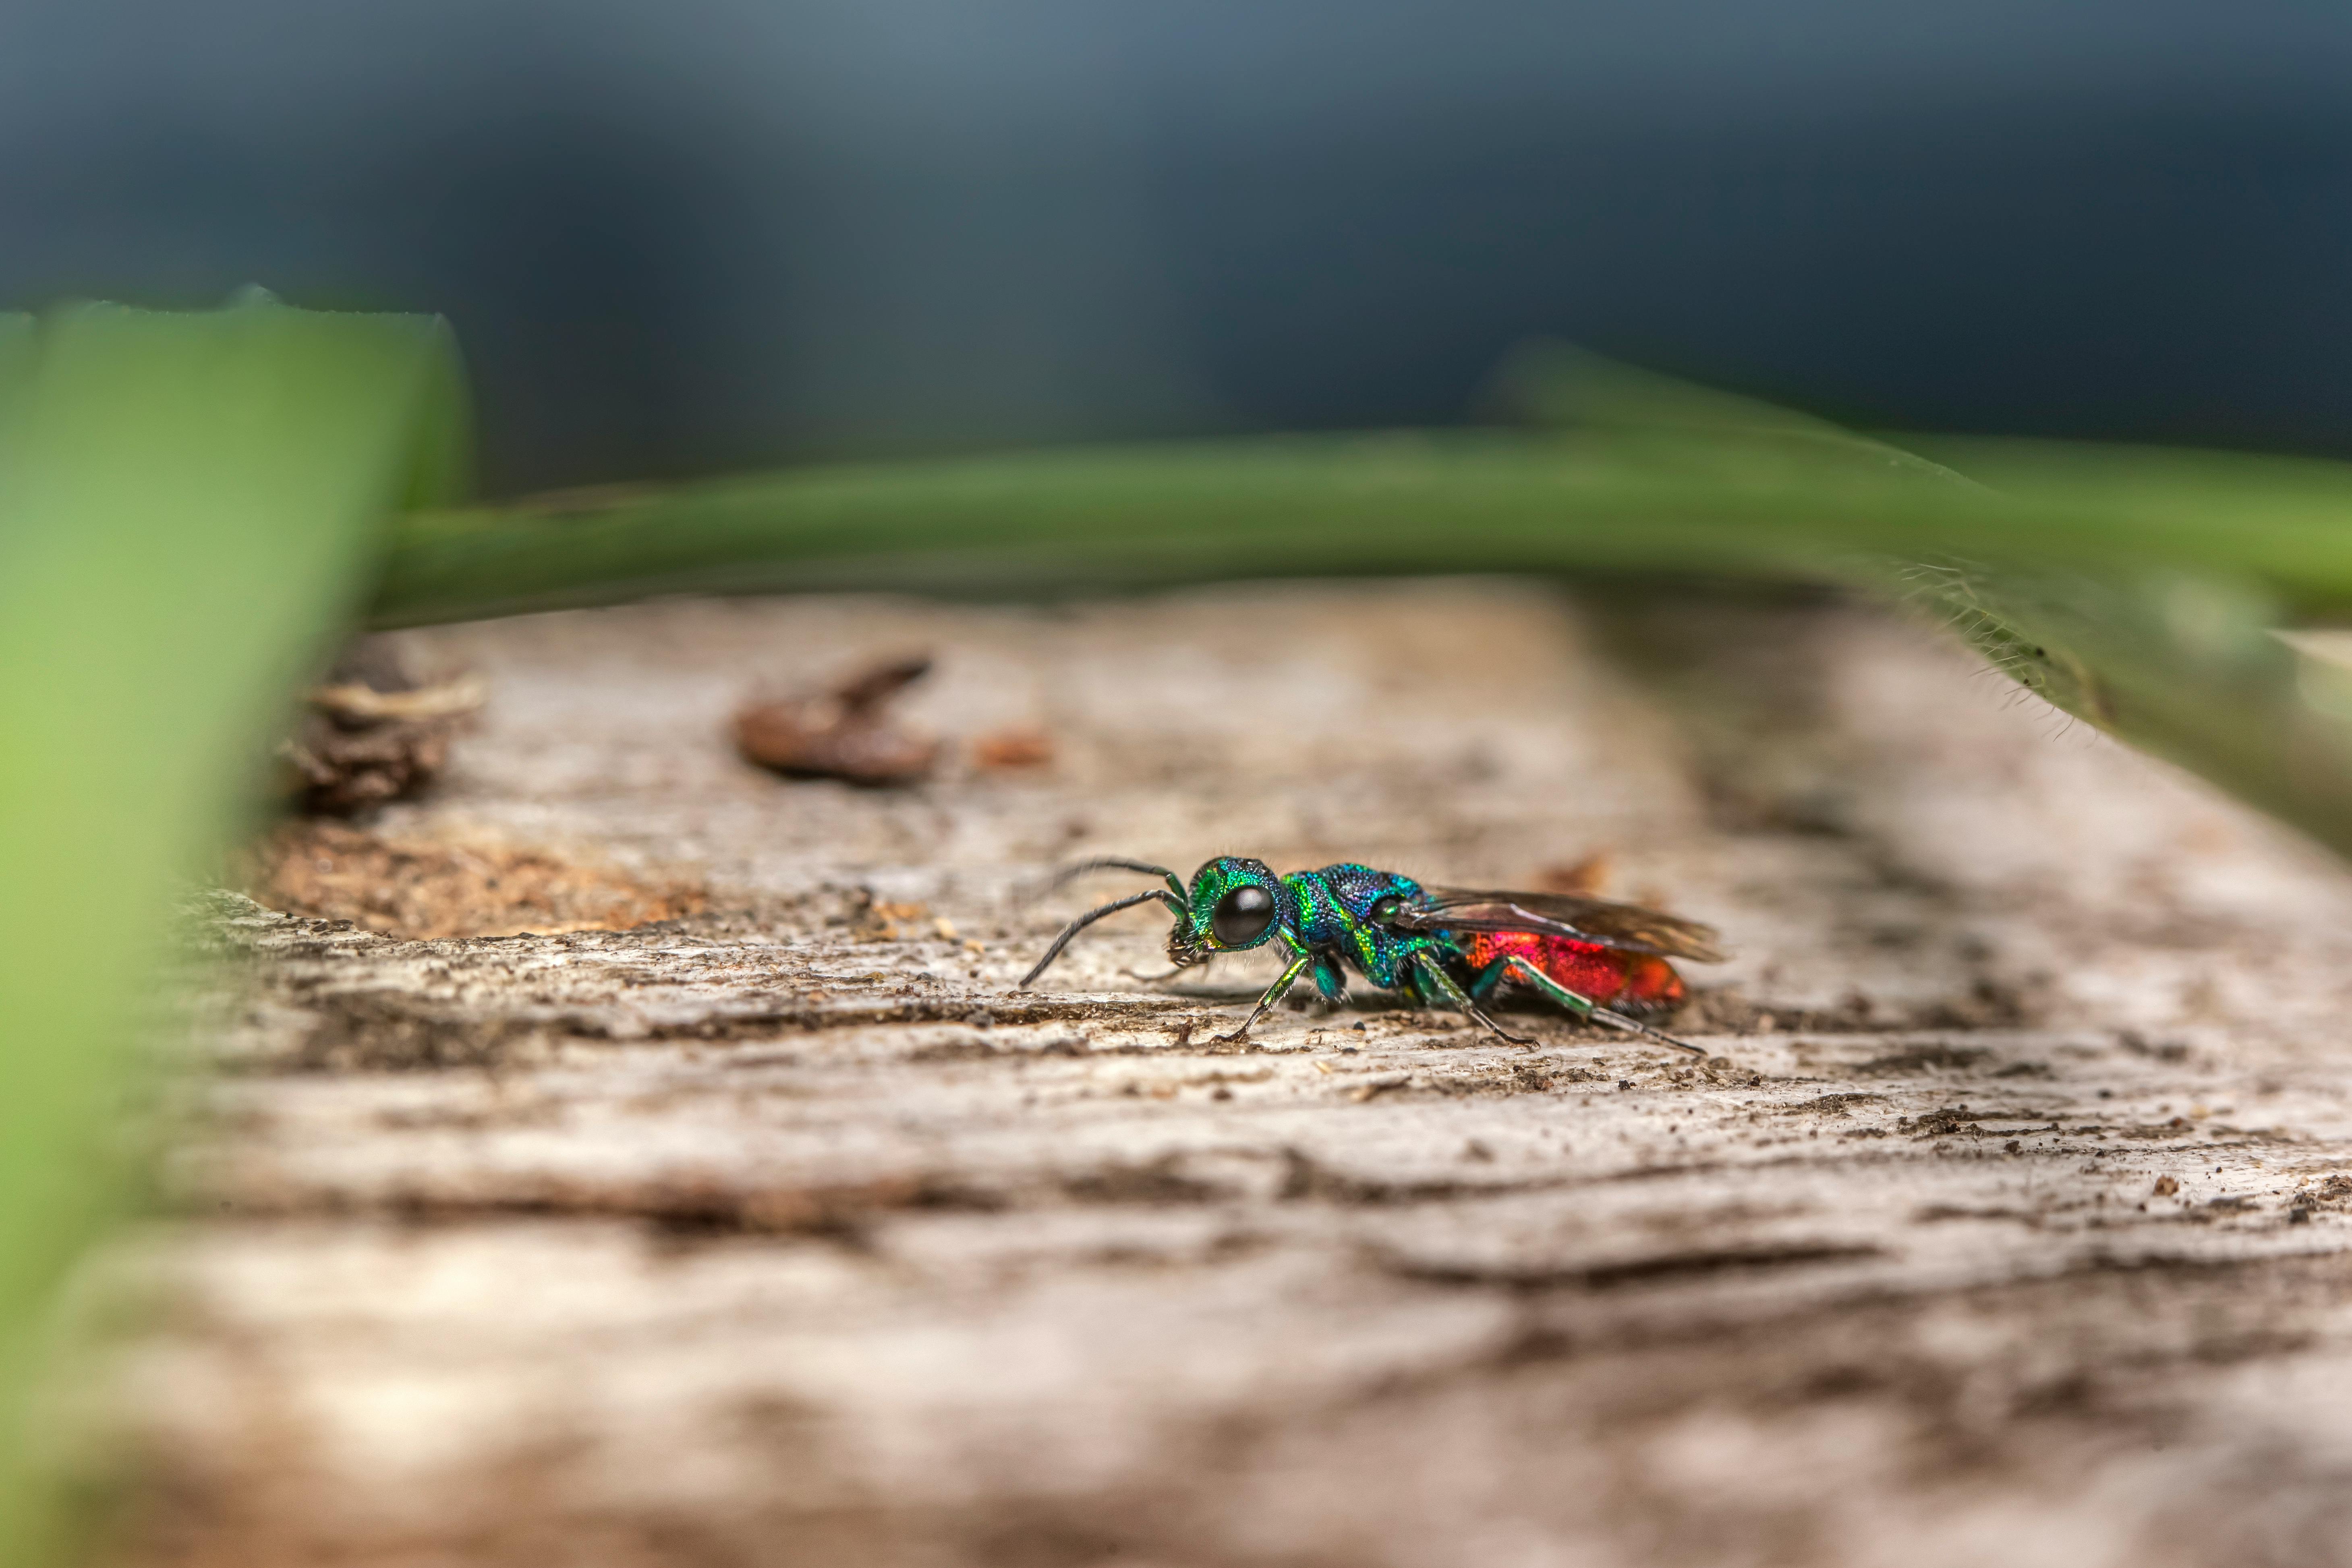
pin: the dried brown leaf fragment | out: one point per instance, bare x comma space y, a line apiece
845, 733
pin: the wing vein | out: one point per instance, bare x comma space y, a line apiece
1628, 927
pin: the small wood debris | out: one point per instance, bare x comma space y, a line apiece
882, 919
845, 733
1020, 746
1586, 877
373, 733
2330, 1193
424, 890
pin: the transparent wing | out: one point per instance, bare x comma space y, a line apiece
1627, 926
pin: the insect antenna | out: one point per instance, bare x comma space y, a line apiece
1201, 962
1071, 873
1084, 920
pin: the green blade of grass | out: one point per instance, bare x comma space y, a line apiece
2139, 604
2181, 663
2185, 667
1620, 498
191, 506
2276, 521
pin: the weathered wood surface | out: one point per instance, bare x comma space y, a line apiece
788, 1233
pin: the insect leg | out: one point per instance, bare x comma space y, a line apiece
1273, 995
1585, 1007
1487, 981
1433, 973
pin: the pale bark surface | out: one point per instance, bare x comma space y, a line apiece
788, 1233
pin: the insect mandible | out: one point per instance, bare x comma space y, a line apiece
1602, 962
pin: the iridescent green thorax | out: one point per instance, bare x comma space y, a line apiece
1327, 916
1337, 917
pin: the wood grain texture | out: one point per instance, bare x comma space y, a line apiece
787, 1233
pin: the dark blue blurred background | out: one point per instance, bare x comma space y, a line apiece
714, 233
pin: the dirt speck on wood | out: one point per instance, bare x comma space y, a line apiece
1019, 746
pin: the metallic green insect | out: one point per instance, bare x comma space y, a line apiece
1602, 962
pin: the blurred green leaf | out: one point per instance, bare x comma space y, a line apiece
2135, 589
1633, 492
190, 510
2166, 642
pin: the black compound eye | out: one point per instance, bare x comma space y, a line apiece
1242, 915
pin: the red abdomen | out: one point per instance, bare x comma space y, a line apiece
1637, 981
